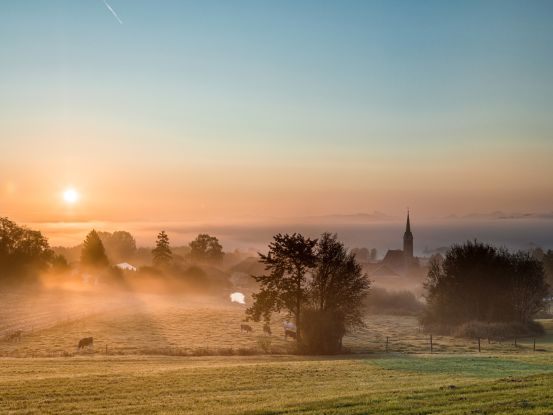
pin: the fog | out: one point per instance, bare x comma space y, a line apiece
520, 233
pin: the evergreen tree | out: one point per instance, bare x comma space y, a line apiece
93, 253
162, 252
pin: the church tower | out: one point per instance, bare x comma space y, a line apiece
408, 241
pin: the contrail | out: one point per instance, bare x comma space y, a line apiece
113, 12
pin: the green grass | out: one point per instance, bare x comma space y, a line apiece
277, 385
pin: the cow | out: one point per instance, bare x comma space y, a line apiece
15, 336
85, 342
267, 329
290, 333
245, 328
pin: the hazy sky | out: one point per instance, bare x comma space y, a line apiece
217, 110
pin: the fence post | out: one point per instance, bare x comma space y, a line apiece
386, 344
431, 345
478, 344
534, 344
106, 349
515, 342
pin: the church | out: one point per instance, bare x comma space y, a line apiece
396, 261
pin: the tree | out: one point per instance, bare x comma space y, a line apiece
479, 282
119, 245
337, 290
59, 263
548, 266
162, 252
527, 285
338, 283
362, 254
23, 252
285, 287
93, 254
206, 248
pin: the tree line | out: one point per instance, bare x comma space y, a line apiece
26, 253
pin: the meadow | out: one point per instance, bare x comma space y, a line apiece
175, 354
376, 384
140, 324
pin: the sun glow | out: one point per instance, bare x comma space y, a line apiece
70, 196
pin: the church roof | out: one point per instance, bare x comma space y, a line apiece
393, 255
384, 271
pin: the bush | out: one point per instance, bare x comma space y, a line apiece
399, 303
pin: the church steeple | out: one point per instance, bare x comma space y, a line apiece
408, 240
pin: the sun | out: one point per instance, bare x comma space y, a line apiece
70, 196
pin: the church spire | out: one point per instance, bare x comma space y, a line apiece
408, 240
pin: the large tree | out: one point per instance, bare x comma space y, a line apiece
93, 254
548, 266
527, 285
206, 248
479, 282
337, 289
162, 252
23, 252
285, 286
338, 283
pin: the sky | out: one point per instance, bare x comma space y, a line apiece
218, 111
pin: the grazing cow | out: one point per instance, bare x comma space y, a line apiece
290, 333
86, 342
15, 336
245, 328
267, 329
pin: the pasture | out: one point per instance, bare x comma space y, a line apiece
173, 354
138, 324
377, 384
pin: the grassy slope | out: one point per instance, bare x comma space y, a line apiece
270, 385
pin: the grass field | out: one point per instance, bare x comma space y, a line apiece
125, 324
147, 367
391, 384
